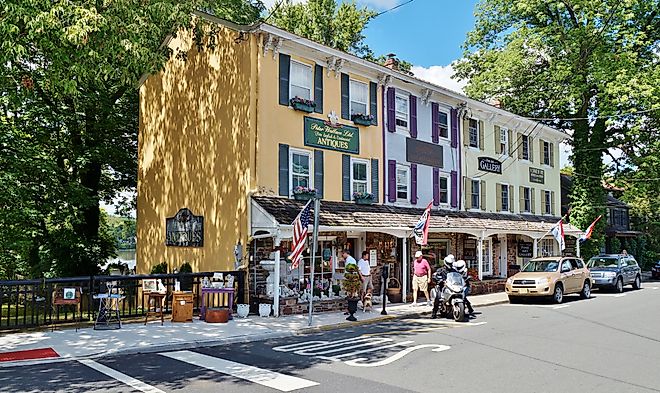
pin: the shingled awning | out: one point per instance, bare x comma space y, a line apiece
386, 218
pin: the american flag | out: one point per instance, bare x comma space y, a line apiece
300, 225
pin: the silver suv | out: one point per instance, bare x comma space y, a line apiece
613, 271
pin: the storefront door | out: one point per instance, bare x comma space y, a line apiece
435, 251
487, 258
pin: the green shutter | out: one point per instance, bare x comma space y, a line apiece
345, 99
285, 68
284, 171
345, 177
318, 172
373, 102
318, 88
374, 179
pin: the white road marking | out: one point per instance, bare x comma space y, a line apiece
532, 305
337, 358
130, 381
560, 306
654, 287
443, 322
271, 379
359, 361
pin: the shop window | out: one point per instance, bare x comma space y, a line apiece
402, 182
402, 104
359, 95
474, 133
300, 80
300, 168
359, 175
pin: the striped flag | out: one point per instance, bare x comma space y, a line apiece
558, 233
590, 230
300, 225
421, 230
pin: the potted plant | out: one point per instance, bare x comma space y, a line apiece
363, 198
304, 193
302, 104
352, 285
186, 280
362, 119
161, 268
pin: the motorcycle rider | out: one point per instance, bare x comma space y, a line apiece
461, 267
440, 276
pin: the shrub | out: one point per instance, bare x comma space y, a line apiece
161, 268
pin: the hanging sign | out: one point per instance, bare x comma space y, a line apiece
324, 135
525, 249
184, 229
488, 164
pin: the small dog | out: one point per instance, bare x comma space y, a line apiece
366, 302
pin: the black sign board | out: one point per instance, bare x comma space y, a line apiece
424, 153
488, 164
536, 175
525, 249
184, 229
571, 246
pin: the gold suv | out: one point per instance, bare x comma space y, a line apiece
550, 276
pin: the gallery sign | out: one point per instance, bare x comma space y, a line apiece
488, 164
536, 175
525, 249
424, 153
184, 229
325, 135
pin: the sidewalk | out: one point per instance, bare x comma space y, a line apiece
136, 337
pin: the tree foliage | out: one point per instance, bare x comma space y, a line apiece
576, 61
69, 72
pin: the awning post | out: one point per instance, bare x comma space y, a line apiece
536, 248
404, 279
480, 256
276, 279
577, 247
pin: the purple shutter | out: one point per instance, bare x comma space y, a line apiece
436, 187
413, 184
435, 123
391, 180
391, 110
454, 189
413, 116
454, 128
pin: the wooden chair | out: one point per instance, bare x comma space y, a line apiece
158, 297
62, 296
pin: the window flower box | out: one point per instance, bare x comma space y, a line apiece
304, 193
363, 198
303, 105
362, 119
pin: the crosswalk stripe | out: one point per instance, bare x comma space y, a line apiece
271, 379
128, 380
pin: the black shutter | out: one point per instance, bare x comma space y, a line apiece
345, 177
318, 88
374, 179
285, 68
345, 99
318, 172
284, 170
373, 102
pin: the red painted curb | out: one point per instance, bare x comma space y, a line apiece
30, 354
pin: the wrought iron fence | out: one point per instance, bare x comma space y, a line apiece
29, 303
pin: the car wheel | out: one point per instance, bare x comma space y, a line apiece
618, 287
558, 295
515, 299
586, 290
637, 284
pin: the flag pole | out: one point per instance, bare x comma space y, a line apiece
315, 236
550, 230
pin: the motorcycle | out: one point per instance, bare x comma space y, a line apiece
449, 298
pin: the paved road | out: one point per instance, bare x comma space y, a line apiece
610, 343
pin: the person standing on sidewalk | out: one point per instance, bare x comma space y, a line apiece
348, 259
421, 277
365, 273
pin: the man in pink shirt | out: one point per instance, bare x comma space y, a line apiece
421, 277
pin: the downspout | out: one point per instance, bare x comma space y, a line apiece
459, 176
383, 109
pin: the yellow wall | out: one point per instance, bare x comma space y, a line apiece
281, 124
196, 133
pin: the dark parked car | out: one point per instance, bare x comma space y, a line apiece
615, 271
655, 270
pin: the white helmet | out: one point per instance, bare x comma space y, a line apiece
449, 260
460, 267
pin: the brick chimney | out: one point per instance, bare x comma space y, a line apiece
392, 62
497, 103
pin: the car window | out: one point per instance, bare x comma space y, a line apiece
603, 262
623, 262
541, 266
632, 262
574, 264
566, 265
580, 264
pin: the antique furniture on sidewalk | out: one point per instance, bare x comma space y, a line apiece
154, 293
108, 316
182, 306
67, 297
208, 293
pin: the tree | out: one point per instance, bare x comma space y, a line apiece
578, 62
69, 72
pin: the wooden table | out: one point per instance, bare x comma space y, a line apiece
158, 306
208, 291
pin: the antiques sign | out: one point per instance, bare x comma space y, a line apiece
184, 229
525, 249
324, 135
488, 164
536, 175
424, 153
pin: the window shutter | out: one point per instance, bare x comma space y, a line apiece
374, 179
318, 172
391, 110
466, 132
345, 99
552, 155
498, 197
435, 123
436, 187
541, 151
510, 140
552, 203
413, 184
318, 88
413, 116
467, 197
519, 143
521, 198
454, 189
284, 171
345, 177
543, 205
530, 143
482, 194
498, 147
454, 127
391, 180
373, 102
482, 130
285, 68
511, 199
532, 199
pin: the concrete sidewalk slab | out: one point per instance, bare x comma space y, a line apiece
136, 337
